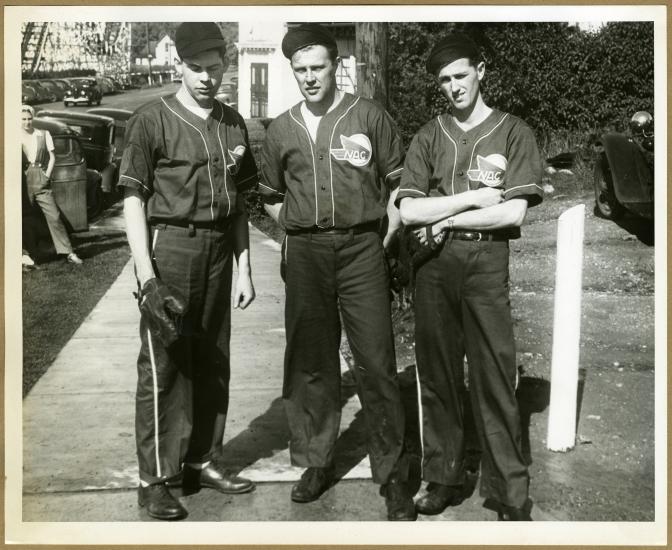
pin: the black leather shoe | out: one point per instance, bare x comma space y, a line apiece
160, 503
398, 501
509, 513
312, 484
438, 498
212, 478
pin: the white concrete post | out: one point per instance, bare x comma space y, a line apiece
566, 331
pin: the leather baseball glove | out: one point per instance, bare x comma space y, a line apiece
162, 309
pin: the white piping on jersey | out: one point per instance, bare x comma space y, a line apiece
452, 180
331, 173
267, 187
228, 199
312, 155
137, 181
212, 188
520, 186
393, 172
471, 158
155, 391
156, 236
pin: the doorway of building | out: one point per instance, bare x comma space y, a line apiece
259, 90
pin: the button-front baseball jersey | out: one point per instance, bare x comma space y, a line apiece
500, 152
188, 169
340, 180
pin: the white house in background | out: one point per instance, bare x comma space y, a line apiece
266, 86
165, 52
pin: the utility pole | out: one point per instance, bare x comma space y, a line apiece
149, 56
371, 56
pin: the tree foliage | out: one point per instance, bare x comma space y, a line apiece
559, 79
152, 32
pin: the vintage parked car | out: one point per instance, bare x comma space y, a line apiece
77, 189
62, 83
43, 93
623, 177
228, 94
96, 135
120, 117
56, 91
28, 94
84, 90
105, 85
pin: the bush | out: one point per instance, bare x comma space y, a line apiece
564, 82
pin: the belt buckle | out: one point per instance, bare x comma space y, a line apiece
479, 236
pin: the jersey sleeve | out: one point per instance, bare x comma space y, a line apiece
417, 169
137, 168
388, 149
247, 176
272, 179
49, 141
524, 168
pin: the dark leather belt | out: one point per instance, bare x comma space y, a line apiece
354, 230
221, 225
477, 235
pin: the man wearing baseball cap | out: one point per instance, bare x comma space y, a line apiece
329, 167
469, 177
186, 161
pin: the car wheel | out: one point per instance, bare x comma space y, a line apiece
606, 204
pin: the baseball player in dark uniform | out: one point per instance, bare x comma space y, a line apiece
469, 177
186, 161
329, 165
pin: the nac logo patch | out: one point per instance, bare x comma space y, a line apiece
236, 157
491, 170
356, 150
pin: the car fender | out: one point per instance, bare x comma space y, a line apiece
631, 174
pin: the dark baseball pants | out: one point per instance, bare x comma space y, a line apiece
462, 305
325, 271
183, 391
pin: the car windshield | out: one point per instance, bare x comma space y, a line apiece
67, 150
99, 134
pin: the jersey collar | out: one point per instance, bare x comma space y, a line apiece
174, 103
347, 100
490, 121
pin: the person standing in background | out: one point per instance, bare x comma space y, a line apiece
38, 161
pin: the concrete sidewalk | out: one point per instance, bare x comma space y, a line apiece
78, 420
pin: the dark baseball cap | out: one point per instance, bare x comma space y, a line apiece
194, 38
454, 46
308, 34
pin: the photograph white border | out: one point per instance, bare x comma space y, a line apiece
419, 533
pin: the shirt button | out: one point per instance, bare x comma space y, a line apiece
216, 159
321, 157
464, 142
325, 220
460, 173
324, 188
